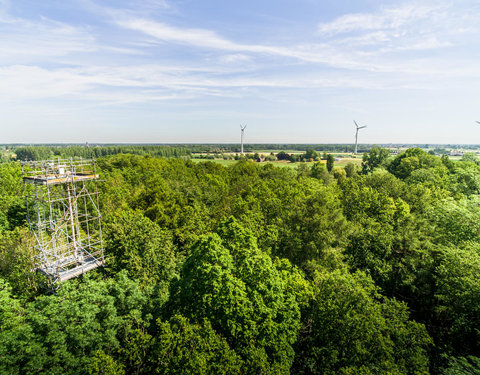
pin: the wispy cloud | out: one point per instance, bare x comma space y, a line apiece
237, 58
206, 39
91, 83
223, 74
41, 40
167, 33
201, 38
353, 41
412, 26
364, 50
393, 18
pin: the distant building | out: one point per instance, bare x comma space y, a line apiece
456, 153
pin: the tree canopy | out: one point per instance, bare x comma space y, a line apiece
255, 269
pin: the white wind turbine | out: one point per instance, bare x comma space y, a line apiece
356, 134
242, 128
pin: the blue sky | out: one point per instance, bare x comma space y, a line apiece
294, 71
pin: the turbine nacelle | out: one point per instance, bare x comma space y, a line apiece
359, 127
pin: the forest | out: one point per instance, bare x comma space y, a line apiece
257, 269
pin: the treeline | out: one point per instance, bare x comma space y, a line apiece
26, 153
235, 148
45, 152
50, 152
253, 269
290, 146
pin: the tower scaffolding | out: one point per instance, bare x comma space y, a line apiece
64, 217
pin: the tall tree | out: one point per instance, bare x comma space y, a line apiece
238, 289
182, 347
330, 162
376, 157
348, 329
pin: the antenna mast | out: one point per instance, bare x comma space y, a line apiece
356, 135
242, 128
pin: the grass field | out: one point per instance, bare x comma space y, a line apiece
219, 161
285, 164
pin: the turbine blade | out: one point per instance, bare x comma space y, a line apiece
355, 123
364, 126
478, 122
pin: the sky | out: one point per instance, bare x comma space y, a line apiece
193, 71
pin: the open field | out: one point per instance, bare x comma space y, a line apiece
284, 164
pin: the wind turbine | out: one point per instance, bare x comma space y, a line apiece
242, 128
356, 134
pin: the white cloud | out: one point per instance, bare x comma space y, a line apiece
196, 37
154, 4
363, 41
201, 38
163, 32
386, 19
236, 58
41, 40
4, 4
408, 27
375, 57
146, 83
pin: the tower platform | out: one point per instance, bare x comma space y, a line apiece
60, 179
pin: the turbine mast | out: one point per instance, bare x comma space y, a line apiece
242, 128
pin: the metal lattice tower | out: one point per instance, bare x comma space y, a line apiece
64, 217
